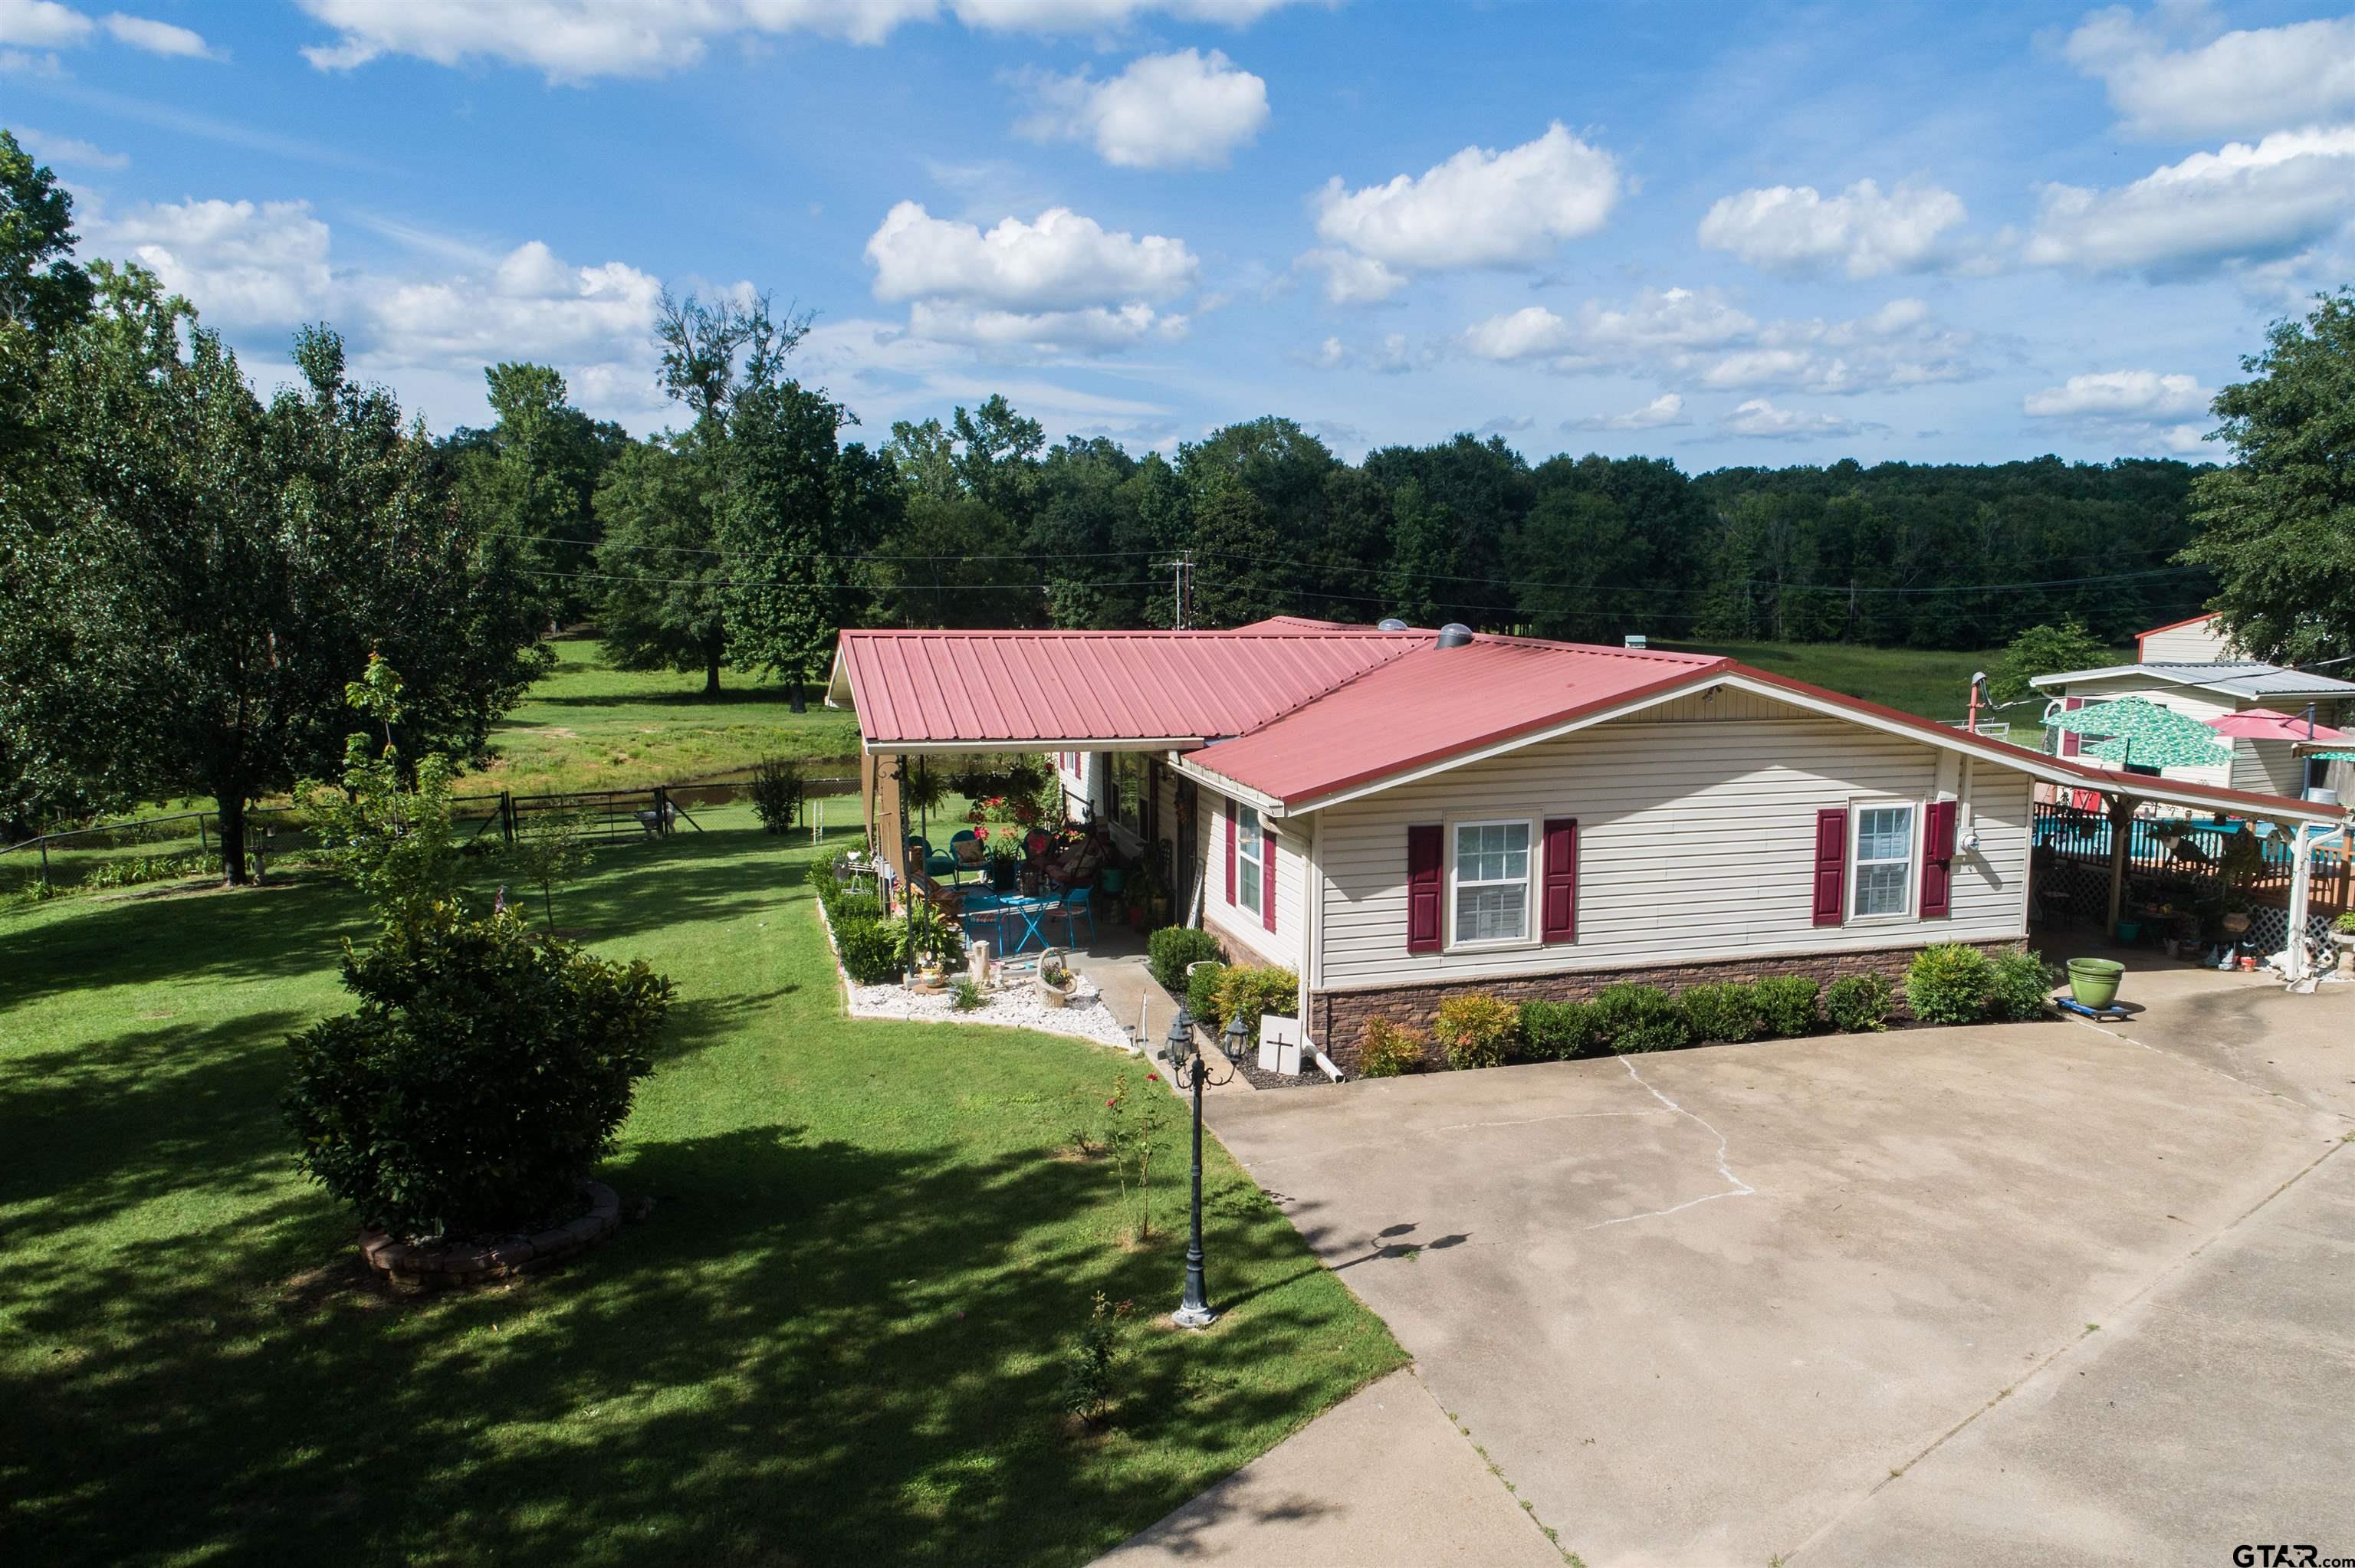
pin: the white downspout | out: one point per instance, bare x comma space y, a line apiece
2301, 890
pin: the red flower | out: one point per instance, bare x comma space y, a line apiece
1151, 1077
1113, 1102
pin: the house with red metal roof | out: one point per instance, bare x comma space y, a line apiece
1400, 815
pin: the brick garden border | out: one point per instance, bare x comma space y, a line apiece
434, 1267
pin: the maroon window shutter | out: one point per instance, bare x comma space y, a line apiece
1266, 877
1423, 884
2070, 744
1231, 854
1937, 857
1560, 922
1831, 864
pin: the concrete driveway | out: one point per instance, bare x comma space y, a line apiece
2032, 1293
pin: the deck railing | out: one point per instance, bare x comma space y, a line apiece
2195, 854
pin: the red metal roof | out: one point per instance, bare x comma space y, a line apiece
1009, 688
2264, 724
1434, 702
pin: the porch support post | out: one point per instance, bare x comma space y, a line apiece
2301, 897
2122, 811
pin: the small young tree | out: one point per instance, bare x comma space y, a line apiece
2044, 651
554, 850
393, 835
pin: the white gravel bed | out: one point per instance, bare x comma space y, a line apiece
1084, 1017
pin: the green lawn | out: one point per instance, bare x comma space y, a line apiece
588, 727
1933, 684
835, 1341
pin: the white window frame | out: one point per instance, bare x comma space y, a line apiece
1908, 904
1528, 937
1251, 870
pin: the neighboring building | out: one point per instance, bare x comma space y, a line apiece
2187, 667
1398, 817
2197, 640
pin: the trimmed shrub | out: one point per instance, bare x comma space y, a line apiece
1172, 948
2019, 986
776, 793
1858, 1003
1246, 991
1724, 1011
1559, 1031
1787, 1006
482, 1078
1202, 994
1385, 1050
1476, 1030
854, 906
1634, 1018
1947, 983
869, 949
825, 884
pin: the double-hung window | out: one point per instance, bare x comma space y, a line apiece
1491, 899
1883, 861
1250, 851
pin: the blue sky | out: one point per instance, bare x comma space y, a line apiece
1722, 234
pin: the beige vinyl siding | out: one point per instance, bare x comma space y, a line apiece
1289, 842
2268, 768
1696, 841
2197, 643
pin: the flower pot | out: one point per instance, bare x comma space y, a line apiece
2129, 932
1055, 996
2094, 982
2236, 922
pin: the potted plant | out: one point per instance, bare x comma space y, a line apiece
929, 941
1056, 980
1005, 863
2342, 932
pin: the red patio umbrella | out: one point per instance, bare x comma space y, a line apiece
2264, 724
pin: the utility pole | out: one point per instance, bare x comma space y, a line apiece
1181, 590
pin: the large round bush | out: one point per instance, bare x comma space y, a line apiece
1948, 983
482, 1077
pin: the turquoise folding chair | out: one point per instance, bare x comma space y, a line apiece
1073, 907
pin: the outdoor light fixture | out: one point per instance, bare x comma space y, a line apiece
1186, 1065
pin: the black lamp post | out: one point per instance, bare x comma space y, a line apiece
1185, 1066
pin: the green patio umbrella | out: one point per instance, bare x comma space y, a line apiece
2141, 732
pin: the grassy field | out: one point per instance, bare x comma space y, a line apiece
836, 1338
588, 727
1932, 682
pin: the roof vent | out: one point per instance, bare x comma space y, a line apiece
1391, 623
1455, 634
1635, 639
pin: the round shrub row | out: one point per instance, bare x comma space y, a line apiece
1950, 983
866, 940
1385, 1050
1171, 948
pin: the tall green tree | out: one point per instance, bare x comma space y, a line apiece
2278, 527
234, 564
665, 581
42, 288
533, 475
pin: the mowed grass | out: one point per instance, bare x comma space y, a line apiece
1932, 684
588, 727
837, 1340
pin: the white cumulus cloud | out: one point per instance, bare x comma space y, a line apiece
1862, 230
1667, 409
580, 40
42, 24
1480, 208
2142, 393
243, 264
1059, 282
2249, 80
1186, 110
1060, 261
1762, 420
2244, 203
160, 37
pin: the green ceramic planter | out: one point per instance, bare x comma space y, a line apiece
2094, 982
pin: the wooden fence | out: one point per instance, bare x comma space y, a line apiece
2194, 855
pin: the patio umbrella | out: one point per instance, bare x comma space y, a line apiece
2264, 724
2140, 731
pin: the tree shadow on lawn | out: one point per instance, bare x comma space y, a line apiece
198, 936
813, 1352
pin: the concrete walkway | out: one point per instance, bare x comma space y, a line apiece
1382, 1478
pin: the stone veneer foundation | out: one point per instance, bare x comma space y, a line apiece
1336, 1018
